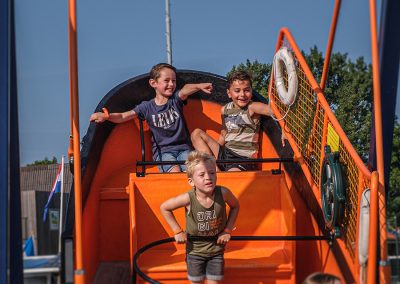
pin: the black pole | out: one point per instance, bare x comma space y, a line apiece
142, 146
4, 136
16, 265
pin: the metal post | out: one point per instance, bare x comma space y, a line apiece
4, 136
61, 207
79, 275
168, 31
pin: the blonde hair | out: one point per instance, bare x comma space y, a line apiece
194, 158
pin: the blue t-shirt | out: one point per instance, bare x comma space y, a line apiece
167, 125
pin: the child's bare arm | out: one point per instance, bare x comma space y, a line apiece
260, 108
221, 139
190, 89
166, 209
233, 204
116, 117
264, 109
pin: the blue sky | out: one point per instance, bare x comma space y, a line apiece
121, 39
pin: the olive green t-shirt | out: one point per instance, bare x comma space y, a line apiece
201, 221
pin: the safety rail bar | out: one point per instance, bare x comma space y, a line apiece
284, 33
143, 172
143, 163
364, 177
330, 238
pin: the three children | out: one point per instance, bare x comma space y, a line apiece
205, 203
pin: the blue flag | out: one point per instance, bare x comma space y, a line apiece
56, 188
29, 248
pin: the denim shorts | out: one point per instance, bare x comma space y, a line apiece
172, 156
200, 267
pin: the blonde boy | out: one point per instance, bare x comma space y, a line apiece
205, 207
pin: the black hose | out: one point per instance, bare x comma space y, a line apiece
234, 238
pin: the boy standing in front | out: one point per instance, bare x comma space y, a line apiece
239, 138
205, 207
164, 114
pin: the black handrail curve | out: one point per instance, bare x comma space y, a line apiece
242, 161
144, 276
143, 146
144, 163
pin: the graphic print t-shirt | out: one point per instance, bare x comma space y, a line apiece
206, 222
167, 125
241, 130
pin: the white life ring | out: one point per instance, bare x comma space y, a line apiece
284, 56
363, 230
363, 233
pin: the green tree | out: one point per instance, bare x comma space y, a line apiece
393, 198
349, 93
352, 103
45, 161
315, 61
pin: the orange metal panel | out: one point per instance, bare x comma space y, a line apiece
266, 209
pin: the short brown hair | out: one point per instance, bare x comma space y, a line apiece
194, 158
240, 75
156, 69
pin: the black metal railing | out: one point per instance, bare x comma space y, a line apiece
144, 163
330, 238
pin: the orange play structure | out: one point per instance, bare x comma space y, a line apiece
291, 222
121, 212
266, 209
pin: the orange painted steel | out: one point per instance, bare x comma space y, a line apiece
324, 139
79, 275
373, 229
328, 117
285, 33
266, 209
117, 160
119, 154
384, 270
330, 44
